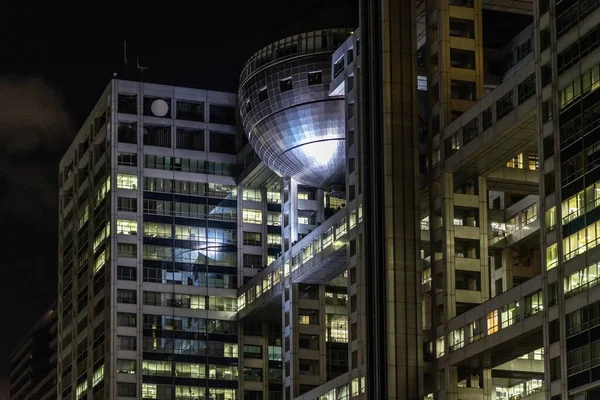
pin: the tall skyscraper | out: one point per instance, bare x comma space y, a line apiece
406, 210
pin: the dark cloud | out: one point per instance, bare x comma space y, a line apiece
35, 128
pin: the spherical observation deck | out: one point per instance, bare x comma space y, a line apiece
292, 123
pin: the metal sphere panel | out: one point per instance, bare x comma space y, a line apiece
300, 131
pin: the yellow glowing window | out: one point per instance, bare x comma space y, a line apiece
127, 181
252, 216
126, 227
100, 261
492, 322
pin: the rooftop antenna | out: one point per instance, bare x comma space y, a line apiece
141, 69
125, 57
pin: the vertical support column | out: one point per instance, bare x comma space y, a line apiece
320, 198
265, 370
450, 373
392, 230
448, 246
507, 277
483, 239
290, 208
322, 336
290, 320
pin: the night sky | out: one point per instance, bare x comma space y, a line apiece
55, 61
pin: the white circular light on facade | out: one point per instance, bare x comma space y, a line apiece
159, 107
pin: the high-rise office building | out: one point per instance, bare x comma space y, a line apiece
33, 361
402, 211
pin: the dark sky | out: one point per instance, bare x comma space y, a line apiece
55, 61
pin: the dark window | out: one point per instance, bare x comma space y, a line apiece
462, 59
546, 74
190, 111
285, 85
156, 135
544, 6
126, 389
190, 139
222, 142
555, 369
470, 130
127, 204
157, 107
262, 95
461, 3
554, 331
252, 261
350, 55
129, 159
524, 49
127, 104
435, 93
126, 296
526, 89
358, 47
463, 90
126, 273
126, 319
547, 111
462, 28
338, 66
128, 132
548, 147
504, 105
544, 39
224, 115
315, 78
549, 184
486, 117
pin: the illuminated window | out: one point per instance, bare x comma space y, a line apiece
100, 261
98, 376
274, 239
336, 326
551, 219
126, 181
252, 195
581, 241
221, 394
126, 227
102, 235
103, 190
302, 196
189, 370
516, 162
252, 216
81, 390
84, 216
492, 322
303, 220
440, 347
551, 256
456, 339
126, 366
273, 219
154, 229
162, 368
573, 207
270, 259
274, 197
230, 350
581, 280
149, 391
510, 314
